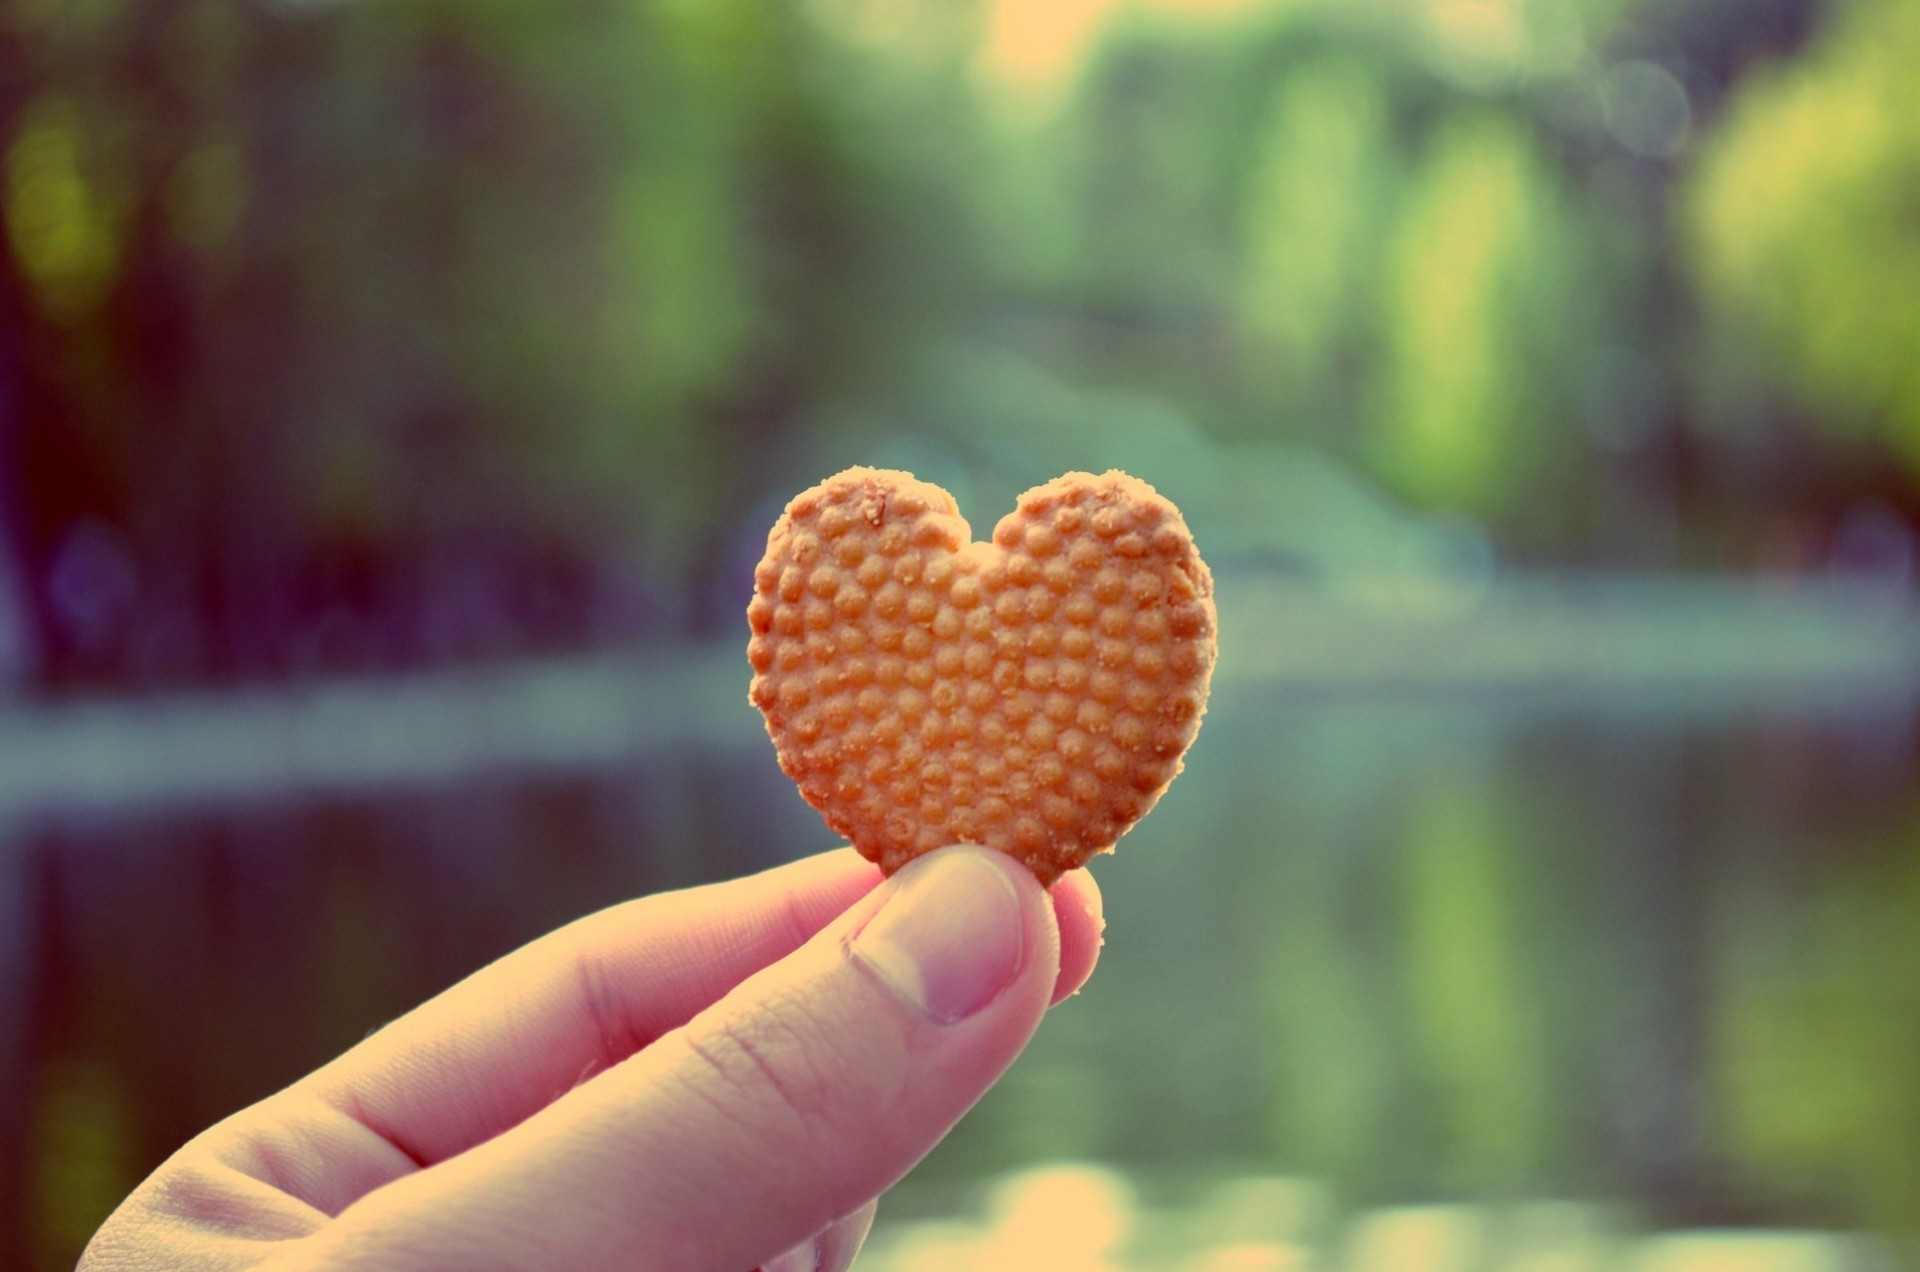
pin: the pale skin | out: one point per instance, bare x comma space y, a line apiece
725, 1078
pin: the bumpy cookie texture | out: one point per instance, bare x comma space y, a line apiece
1034, 694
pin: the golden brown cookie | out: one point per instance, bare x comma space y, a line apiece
1034, 694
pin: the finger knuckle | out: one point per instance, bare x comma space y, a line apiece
769, 1069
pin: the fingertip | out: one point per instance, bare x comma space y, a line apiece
831, 1251
840, 1244
959, 928
1079, 914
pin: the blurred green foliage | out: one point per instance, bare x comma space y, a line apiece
310, 299
1802, 221
312, 292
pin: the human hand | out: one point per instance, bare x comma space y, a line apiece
723, 1078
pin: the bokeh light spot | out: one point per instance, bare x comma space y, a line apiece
1034, 48
1646, 109
58, 221
92, 583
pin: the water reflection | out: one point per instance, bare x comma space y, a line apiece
1414, 949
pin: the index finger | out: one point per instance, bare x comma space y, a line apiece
508, 1040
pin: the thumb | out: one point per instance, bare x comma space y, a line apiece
795, 1100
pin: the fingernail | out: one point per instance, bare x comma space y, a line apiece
949, 939
802, 1258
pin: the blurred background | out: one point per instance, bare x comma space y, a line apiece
395, 394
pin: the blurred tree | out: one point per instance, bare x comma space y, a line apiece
349, 335
1481, 326
1318, 186
1437, 242
372, 334
1298, 227
1801, 213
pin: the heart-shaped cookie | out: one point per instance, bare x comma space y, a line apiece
1034, 694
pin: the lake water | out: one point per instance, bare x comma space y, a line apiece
1636, 946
